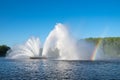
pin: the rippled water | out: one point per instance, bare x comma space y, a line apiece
57, 70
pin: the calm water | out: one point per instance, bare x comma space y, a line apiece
57, 70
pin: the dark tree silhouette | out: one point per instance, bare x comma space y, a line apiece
3, 50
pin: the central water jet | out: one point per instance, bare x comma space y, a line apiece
60, 45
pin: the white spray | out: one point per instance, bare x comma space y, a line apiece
30, 49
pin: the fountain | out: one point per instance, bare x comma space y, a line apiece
28, 50
59, 45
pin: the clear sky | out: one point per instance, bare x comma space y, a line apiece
20, 19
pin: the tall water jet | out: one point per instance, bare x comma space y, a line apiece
60, 45
30, 49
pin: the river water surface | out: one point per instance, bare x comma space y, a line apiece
29, 69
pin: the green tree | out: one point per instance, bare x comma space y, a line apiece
3, 50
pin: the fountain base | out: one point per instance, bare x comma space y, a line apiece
38, 58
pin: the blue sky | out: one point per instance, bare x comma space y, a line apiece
21, 19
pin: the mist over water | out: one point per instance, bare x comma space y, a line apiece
58, 45
85, 49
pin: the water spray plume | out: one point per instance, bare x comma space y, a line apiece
30, 49
60, 43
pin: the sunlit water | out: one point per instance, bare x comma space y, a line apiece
57, 70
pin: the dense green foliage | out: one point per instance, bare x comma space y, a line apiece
109, 45
3, 50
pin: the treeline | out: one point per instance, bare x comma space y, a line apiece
109, 45
3, 50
